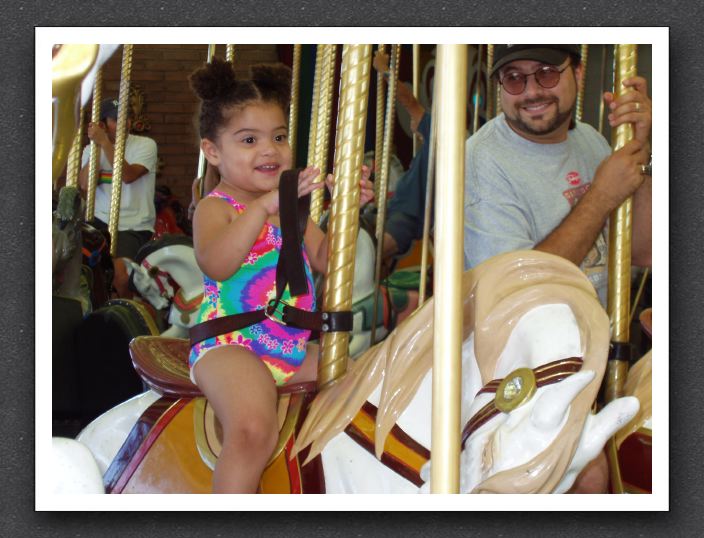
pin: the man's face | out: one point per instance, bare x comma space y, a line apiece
111, 127
540, 114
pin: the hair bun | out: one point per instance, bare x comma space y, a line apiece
214, 79
272, 79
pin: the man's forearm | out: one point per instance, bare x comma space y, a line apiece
576, 234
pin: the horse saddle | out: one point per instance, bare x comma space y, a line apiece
163, 365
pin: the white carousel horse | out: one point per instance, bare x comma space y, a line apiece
526, 314
166, 275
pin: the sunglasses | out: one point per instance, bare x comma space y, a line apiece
547, 76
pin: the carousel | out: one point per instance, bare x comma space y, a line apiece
507, 378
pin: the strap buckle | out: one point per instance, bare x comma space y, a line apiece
272, 308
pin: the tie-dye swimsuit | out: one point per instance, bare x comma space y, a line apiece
282, 348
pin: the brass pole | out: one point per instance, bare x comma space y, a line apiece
344, 213
322, 131
429, 191
416, 89
490, 98
379, 140
201, 156
477, 89
602, 79
94, 162
580, 93
293, 108
230, 54
74, 157
120, 138
384, 179
316, 199
620, 229
451, 91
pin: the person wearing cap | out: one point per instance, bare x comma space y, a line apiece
137, 211
536, 178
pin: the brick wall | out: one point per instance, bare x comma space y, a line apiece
161, 72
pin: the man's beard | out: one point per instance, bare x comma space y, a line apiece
518, 124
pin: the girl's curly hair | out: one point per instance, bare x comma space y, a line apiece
220, 91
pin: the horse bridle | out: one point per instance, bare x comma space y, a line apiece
517, 388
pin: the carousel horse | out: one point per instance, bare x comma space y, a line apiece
534, 353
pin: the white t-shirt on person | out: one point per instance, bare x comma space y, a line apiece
137, 210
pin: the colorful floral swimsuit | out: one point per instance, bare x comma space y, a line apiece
281, 348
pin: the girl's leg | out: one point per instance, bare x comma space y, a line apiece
309, 368
242, 392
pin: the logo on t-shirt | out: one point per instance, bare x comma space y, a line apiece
573, 178
573, 195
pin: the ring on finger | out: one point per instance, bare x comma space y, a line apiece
637, 106
645, 170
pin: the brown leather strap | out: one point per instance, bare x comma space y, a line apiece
290, 268
214, 327
317, 321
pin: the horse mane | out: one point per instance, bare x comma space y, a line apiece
495, 294
162, 241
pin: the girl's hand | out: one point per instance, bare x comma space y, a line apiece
270, 200
366, 193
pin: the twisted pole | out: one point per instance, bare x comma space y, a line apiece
584, 51
74, 156
344, 213
316, 199
293, 108
120, 138
379, 139
383, 180
94, 159
230, 54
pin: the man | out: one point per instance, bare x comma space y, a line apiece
535, 178
137, 212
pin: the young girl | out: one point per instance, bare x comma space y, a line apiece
237, 240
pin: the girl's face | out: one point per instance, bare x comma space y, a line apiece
252, 150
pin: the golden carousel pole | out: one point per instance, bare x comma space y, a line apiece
229, 54
477, 89
383, 180
120, 138
450, 94
74, 157
344, 212
620, 231
201, 156
416, 89
94, 160
322, 130
379, 140
293, 108
490, 89
584, 51
316, 198
68, 69
602, 78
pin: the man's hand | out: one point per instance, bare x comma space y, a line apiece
619, 175
632, 107
98, 134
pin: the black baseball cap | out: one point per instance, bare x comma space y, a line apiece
108, 109
549, 54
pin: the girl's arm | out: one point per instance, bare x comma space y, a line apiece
222, 238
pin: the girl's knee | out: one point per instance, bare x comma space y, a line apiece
255, 433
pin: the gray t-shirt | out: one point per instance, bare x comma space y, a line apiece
518, 191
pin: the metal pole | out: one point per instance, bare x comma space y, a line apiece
379, 140
490, 98
620, 231
94, 162
74, 156
344, 213
229, 53
120, 138
450, 94
477, 89
293, 108
316, 199
383, 180
416, 89
580, 93
201, 157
